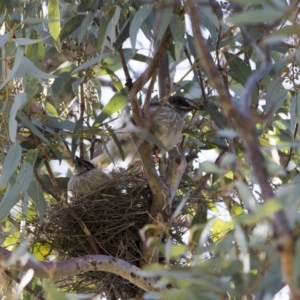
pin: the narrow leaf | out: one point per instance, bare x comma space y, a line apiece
19, 101
35, 192
18, 59
26, 122
137, 21
54, 14
117, 102
257, 16
70, 26
28, 67
16, 193
102, 33
11, 162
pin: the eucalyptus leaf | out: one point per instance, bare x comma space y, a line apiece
4, 39
70, 26
19, 101
17, 191
102, 33
18, 59
256, 16
54, 15
11, 162
35, 192
137, 21
117, 102
25, 120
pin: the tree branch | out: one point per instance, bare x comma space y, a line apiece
79, 265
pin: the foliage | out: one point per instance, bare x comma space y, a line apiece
60, 59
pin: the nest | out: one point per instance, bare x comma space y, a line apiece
113, 216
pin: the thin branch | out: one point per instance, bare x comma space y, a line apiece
124, 65
79, 265
262, 71
81, 117
164, 81
175, 171
51, 175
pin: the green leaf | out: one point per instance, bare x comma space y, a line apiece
193, 136
239, 69
167, 14
275, 97
115, 79
28, 67
16, 193
54, 27
102, 33
11, 162
61, 80
118, 144
241, 239
86, 23
78, 126
87, 5
293, 113
52, 292
111, 31
18, 59
137, 21
228, 133
35, 192
246, 196
210, 21
19, 101
210, 167
31, 156
25, 120
257, 16
152, 139
97, 86
94, 61
70, 26
262, 213
177, 29
26, 42
4, 39
117, 102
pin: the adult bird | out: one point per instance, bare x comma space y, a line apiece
167, 123
87, 179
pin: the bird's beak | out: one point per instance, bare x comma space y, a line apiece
193, 105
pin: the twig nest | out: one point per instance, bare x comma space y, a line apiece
113, 215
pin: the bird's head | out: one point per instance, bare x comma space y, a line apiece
181, 104
82, 166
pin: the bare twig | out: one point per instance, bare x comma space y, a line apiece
81, 117
164, 81
252, 81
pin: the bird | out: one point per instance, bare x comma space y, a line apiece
167, 123
87, 179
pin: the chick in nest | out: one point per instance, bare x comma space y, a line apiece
167, 123
87, 179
